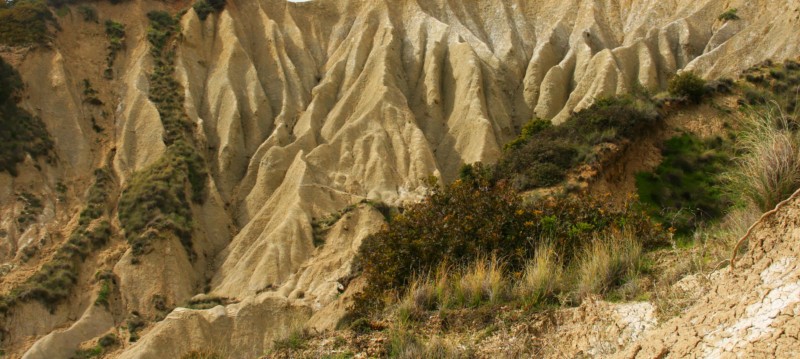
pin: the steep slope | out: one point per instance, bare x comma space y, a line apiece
301, 109
749, 311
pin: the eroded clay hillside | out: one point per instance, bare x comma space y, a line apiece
261, 123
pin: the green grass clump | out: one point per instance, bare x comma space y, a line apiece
686, 188
25, 23
729, 15
687, 85
103, 344
768, 169
207, 303
21, 133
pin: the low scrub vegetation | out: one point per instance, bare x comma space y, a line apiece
458, 224
25, 23
115, 32
203, 8
21, 133
729, 15
56, 279
687, 85
686, 188
544, 162
32, 208
157, 201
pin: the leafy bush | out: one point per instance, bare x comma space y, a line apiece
134, 324
542, 154
20, 132
203, 9
686, 187
468, 219
729, 15
531, 128
25, 23
108, 340
688, 85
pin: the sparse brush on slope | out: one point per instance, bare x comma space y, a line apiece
25, 23
21, 133
157, 201
56, 279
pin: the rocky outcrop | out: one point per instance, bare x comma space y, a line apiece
750, 311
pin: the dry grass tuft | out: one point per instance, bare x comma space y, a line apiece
608, 263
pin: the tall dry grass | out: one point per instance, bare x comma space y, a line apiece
607, 263
542, 277
768, 169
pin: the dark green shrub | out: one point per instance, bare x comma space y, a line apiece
25, 23
134, 324
685, 189
469, 219
203, 9
533, 127
108, 340
687, 85
157, 200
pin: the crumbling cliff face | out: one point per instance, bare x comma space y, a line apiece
300, 110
